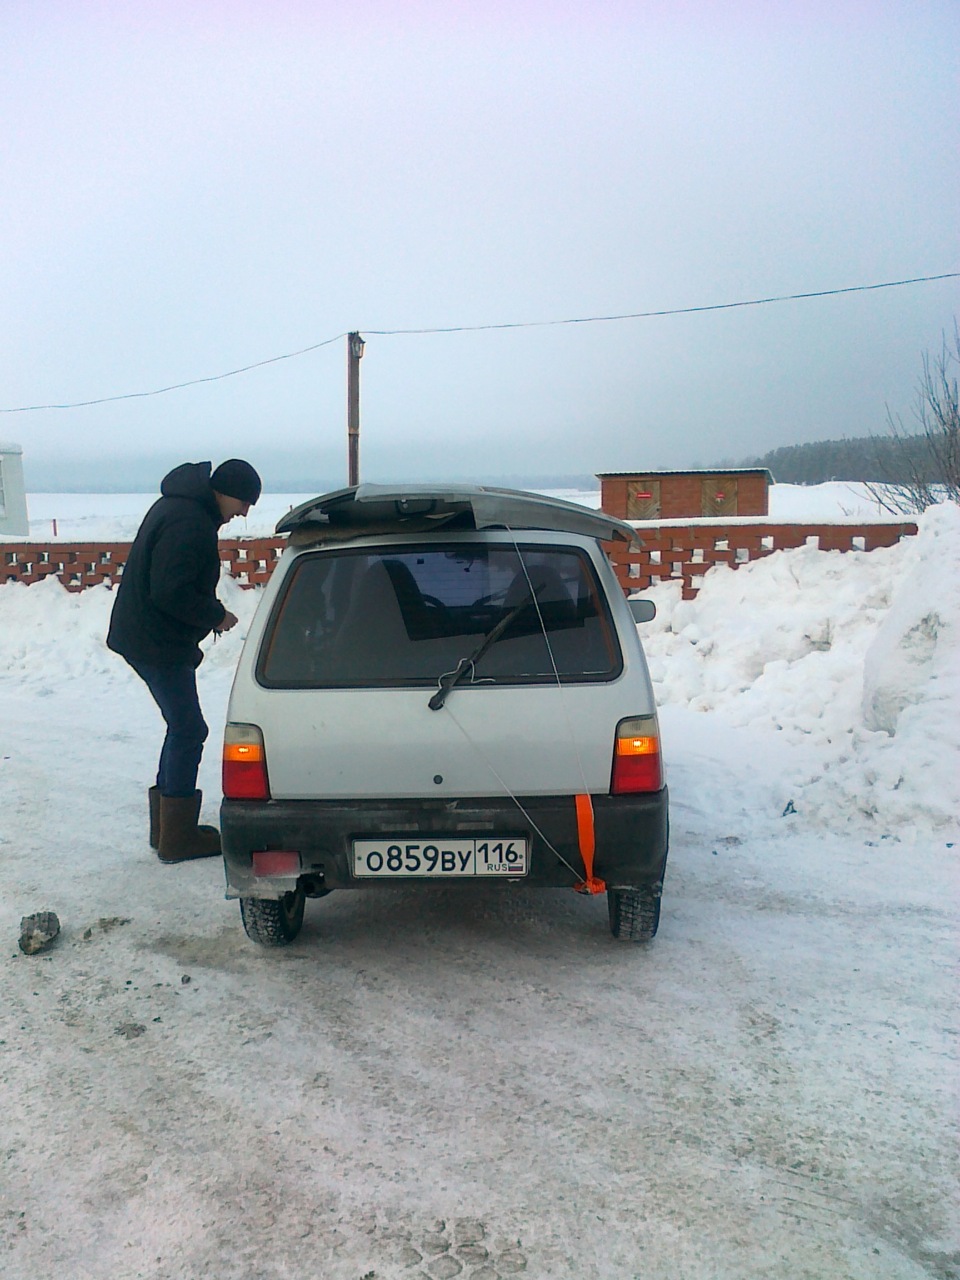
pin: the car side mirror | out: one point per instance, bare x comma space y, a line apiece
642, 610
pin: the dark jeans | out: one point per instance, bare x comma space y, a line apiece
174, 691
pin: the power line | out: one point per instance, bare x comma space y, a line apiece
176, 387
477, 328
674, 311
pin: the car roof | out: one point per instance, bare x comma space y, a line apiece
422, 508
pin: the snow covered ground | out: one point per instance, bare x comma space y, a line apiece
483, 1083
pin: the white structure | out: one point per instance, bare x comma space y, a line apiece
13, 497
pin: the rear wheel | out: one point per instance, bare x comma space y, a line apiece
273, 922
634, 913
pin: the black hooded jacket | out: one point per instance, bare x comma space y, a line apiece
166, 601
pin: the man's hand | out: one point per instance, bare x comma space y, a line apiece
229, 621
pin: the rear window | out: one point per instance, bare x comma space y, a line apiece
358, 619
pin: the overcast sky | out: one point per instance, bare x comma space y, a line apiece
188, 188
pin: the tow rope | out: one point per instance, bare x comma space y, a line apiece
586, 836
586, 832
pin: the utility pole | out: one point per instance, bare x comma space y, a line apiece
355, 346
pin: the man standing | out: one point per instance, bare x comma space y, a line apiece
166, 604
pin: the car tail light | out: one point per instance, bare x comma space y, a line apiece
244, 763
636, 756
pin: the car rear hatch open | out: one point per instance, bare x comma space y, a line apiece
422, 508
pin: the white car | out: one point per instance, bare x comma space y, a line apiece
443, 682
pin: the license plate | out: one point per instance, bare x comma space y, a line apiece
440, 856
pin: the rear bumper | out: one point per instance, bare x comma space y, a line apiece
631, 837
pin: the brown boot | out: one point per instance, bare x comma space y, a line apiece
180, 837
198, 801
153, 799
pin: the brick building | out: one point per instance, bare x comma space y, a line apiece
670, 495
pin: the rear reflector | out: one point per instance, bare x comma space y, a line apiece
636, 757
244, 763
276, 862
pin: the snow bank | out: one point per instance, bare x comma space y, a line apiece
915, 655
911, 678
857, 653
50, 637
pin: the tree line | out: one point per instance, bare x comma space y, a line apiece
910, 468
877, 459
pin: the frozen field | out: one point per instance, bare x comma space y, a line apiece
115, 516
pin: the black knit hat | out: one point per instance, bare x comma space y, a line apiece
236, 479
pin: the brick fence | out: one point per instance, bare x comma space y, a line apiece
85, 564
683, 552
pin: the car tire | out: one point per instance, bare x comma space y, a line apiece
634, 913
273, 922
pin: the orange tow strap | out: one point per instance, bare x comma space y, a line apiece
587, 840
